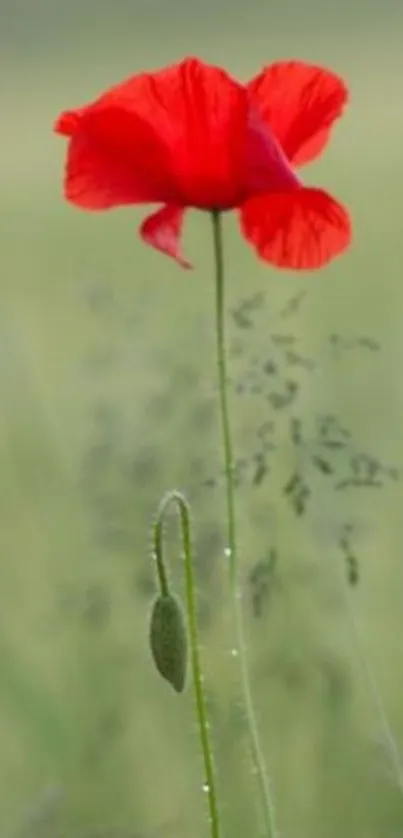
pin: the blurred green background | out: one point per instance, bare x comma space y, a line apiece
108, 399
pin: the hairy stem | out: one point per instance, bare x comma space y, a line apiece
231, 549
177, 499
390, 743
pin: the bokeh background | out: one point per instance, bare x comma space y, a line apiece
108, 399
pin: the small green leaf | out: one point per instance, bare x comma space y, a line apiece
168, 640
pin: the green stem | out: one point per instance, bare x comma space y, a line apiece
182, 507
387, 733
231, 550
158, 554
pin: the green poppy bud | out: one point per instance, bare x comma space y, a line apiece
168, 640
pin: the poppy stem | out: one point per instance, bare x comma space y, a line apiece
175, 498
390, 743
231, 548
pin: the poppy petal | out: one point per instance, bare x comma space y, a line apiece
297, 230
68, 122
163, 229
113, 159
266, 166
300, 102
180, 130
200, 113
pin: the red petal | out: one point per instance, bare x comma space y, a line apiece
297, 230
266, 166
163, 231
68, 122
200, 113
114, 159
300, 102
181, 132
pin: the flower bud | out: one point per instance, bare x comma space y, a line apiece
168, 640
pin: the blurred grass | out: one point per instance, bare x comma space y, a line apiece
107, 399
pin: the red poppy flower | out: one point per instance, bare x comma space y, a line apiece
191, 136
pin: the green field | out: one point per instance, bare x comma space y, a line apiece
108, 399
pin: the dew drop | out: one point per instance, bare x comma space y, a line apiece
227, 552
205, 788
234, 653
